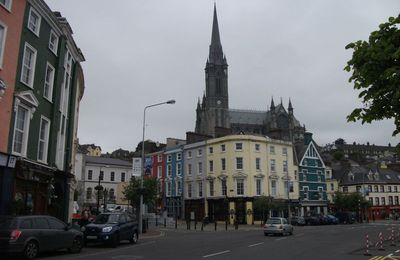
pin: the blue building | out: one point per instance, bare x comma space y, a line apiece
312, 183
174, 181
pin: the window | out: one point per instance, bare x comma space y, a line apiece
223, 187
285, 166
345, 189
238, 146
371, 201
189, 154
199, 152
211, 165
159, 158
272, 149
210, 150
239, 163
56, 224
112, 176
390, 200
305, 193
34, 21
369, 188
240, 187
6, 4
200, 168
189, 169
257, 147
28, 65
258, 167
273, 166
169, 158
101, 175
319, 179
389, 188
48, 82
27, 223
89, 193
377, 201
178, 169
284, 151
21, 130
295, 175
168, 188
169, 170
122, 177
111, 194
396, 200
382, 188
383, 201
53, 42
200, 189
332, 187
179, 156
189, 190
3, 30
375, 188
159, 171
211, 188
43, 139
223, 148
90, 174
395, 188
273, 188
223, 164
258, 187
320, 193
40, 223
179, 185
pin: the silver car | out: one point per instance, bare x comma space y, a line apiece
277, 226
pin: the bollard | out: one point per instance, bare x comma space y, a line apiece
392, 243
176, 223
195, 224
202, 226
156, 221
380, 242
215, 225
226, 224
165, 222
367, 253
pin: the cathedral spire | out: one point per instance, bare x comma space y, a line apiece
290, 108
216, 54
272, 104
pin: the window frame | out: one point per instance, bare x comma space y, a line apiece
55, 50
51, 83
238, 146
3, 43
199, 168
90, 175
258, 187
223, 164
123, 177
240, 187
32, 67
25, 136
239, 162
37, 30
46, 139
7, 5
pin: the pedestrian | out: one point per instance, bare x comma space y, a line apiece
84, 219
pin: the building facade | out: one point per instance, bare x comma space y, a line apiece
213, 113
47, 90
312, 183
173, 182
158, 172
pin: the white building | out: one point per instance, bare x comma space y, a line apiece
109, 172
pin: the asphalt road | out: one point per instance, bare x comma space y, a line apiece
311, 242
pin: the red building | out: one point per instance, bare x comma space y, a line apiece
158, 172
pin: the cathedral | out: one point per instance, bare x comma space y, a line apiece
214, 117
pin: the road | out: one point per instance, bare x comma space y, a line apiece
311, 242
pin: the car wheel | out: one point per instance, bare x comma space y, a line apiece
291, 232
76, 246
115, 240
31, 250
135, 237
266, 234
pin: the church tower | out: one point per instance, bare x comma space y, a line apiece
214, 110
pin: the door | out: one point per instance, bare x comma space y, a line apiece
42, 231
62, 236
124, 230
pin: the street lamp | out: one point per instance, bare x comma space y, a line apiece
99, 188
169, 102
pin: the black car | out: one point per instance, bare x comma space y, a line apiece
111, 228
345, 217
313, 220
30, 235
297, 221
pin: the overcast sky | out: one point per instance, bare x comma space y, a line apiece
141, 52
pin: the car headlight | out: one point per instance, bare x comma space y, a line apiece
107, 229
83, 229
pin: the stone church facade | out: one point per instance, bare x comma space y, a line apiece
213, 112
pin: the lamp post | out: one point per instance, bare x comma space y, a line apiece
170, 102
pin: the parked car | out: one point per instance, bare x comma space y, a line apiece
313, 220
297, 221
277, 226
31, 235
111, 228
345, 217
331, 220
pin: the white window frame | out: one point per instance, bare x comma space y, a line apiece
200, 168
211, 165
179, 156
237, 163
284, 151
199, 152
274, 188
45, 140
273, 165
258, 163
189, 154
25, 132
223, 148
223, 164
50, 84
189, 190
224, 187
169, 170
159, 158
169, 158
190, 169
32, 66
258, 187
2, 42
211, 188
178, 169
272, 149
200, 189
238, 146
257, 147
210, 150
53, 49
240, 182
168, 188
159, 171
37, 30
7, 5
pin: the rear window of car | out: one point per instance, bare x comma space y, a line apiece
25, 224
7, 222
56, 224
274, 221
40, 223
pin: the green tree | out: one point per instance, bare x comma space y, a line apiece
132, 191
350, 201
375, 67
263, 205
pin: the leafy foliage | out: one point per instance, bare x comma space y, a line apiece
132, 191
350, 201
376, 73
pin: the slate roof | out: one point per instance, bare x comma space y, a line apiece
107, 161
241, 116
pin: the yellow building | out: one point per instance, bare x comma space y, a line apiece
240, 168
332, 184
90, 149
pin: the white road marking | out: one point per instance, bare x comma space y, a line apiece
282, 238
255, 244
219, 253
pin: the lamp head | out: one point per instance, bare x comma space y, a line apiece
172, 101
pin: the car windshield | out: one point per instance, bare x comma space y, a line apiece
6, 222
106, 218
274, 221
